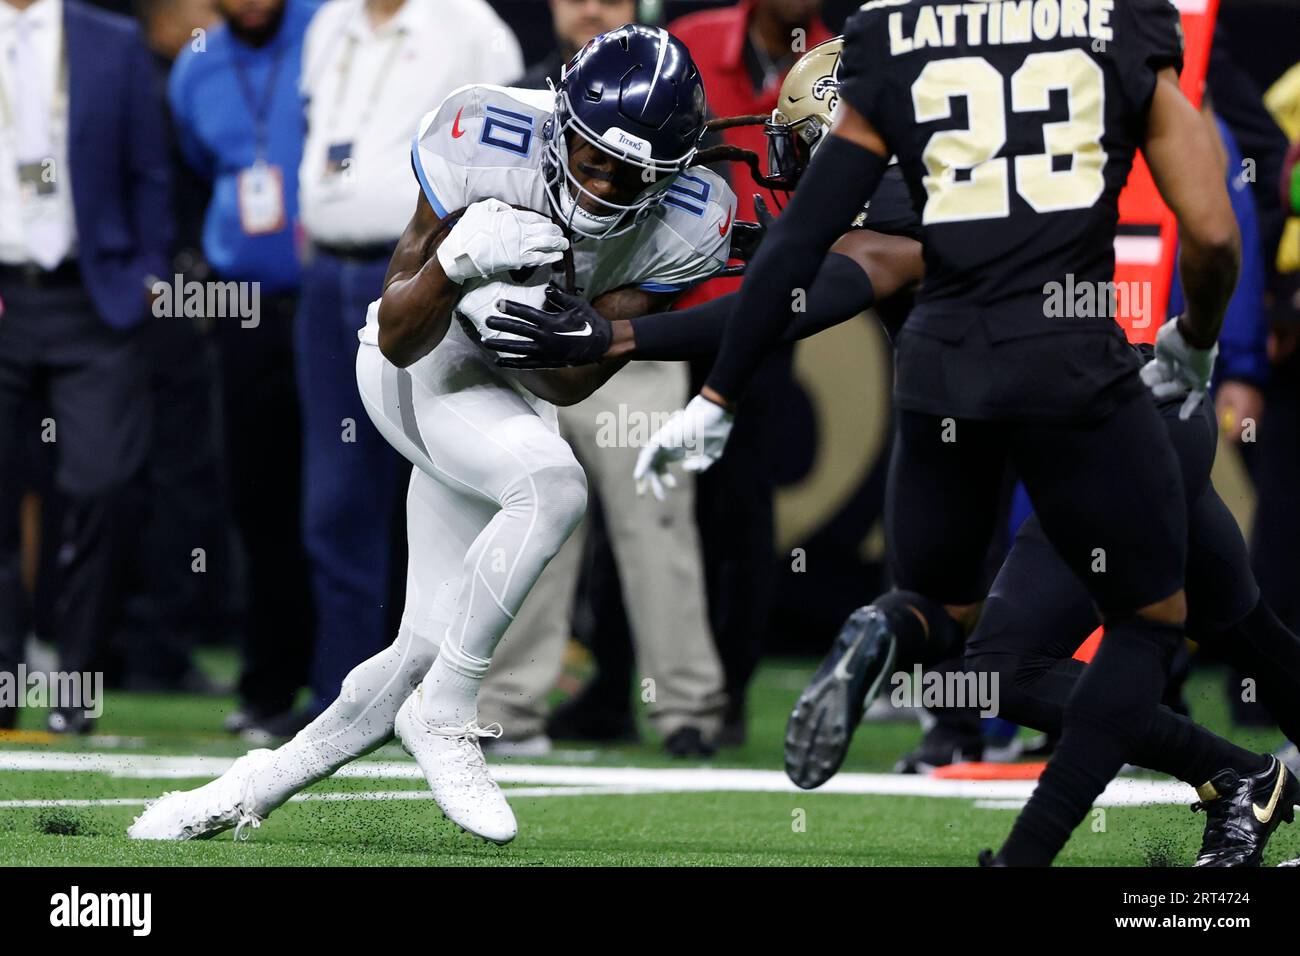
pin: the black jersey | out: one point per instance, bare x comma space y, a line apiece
890, 210
1015, 123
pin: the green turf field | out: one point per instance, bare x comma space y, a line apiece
361, 820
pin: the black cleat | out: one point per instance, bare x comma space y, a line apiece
688, 742
831, 706
987, 860
1242, 811
942, 745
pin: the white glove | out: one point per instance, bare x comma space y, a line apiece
493, 237
696, 435
1179, 369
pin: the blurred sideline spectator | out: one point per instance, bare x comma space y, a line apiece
654, 543
371, 70
183, 480
743, 53
84, 232
1276, 464
575, 22
239, 118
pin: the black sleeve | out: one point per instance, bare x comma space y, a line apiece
1148, 36
840, 291
838, 182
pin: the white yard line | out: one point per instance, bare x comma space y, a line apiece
336, 797
1123, 792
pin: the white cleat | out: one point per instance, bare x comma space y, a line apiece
453, 764
208, 810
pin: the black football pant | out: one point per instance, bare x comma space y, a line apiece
1038, 613
262, 436
1110, 497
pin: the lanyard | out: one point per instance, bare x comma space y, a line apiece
259, 111
381, 78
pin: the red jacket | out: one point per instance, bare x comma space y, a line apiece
716, 39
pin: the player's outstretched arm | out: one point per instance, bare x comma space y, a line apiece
418, 298
1185, 164
568, 386
840, 179
862, 268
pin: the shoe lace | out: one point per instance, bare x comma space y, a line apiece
219, 806
470, 731
471, 752
1222, 829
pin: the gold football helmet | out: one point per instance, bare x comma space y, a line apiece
802, 117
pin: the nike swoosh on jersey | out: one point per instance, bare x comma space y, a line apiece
456, 131
1266, 814
724, 226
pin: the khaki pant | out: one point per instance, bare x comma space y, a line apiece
657, 549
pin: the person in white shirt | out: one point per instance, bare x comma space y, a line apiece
371, 69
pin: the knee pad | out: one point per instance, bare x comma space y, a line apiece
558, 493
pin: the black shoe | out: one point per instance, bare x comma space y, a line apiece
987, 859
247, 716
576, 721
941, 746
1242, 811
829, 710
278, 726
63, 721
733, 733
688, 742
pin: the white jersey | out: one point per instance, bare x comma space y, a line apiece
484, 142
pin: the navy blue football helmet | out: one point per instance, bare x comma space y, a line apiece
636, 94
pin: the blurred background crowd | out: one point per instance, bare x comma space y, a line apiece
199, 198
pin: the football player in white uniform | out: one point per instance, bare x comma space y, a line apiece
495, 491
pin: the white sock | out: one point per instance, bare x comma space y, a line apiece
449, 693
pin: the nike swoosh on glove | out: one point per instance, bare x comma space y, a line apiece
567, 330
695, 435
493, 237
1179, 369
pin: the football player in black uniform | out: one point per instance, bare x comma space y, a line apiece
1037, 612
1016, 123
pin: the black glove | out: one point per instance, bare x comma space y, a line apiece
569, 331
747, 236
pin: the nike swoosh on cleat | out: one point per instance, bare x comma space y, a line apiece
1266, 814
456, 131
841, 671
